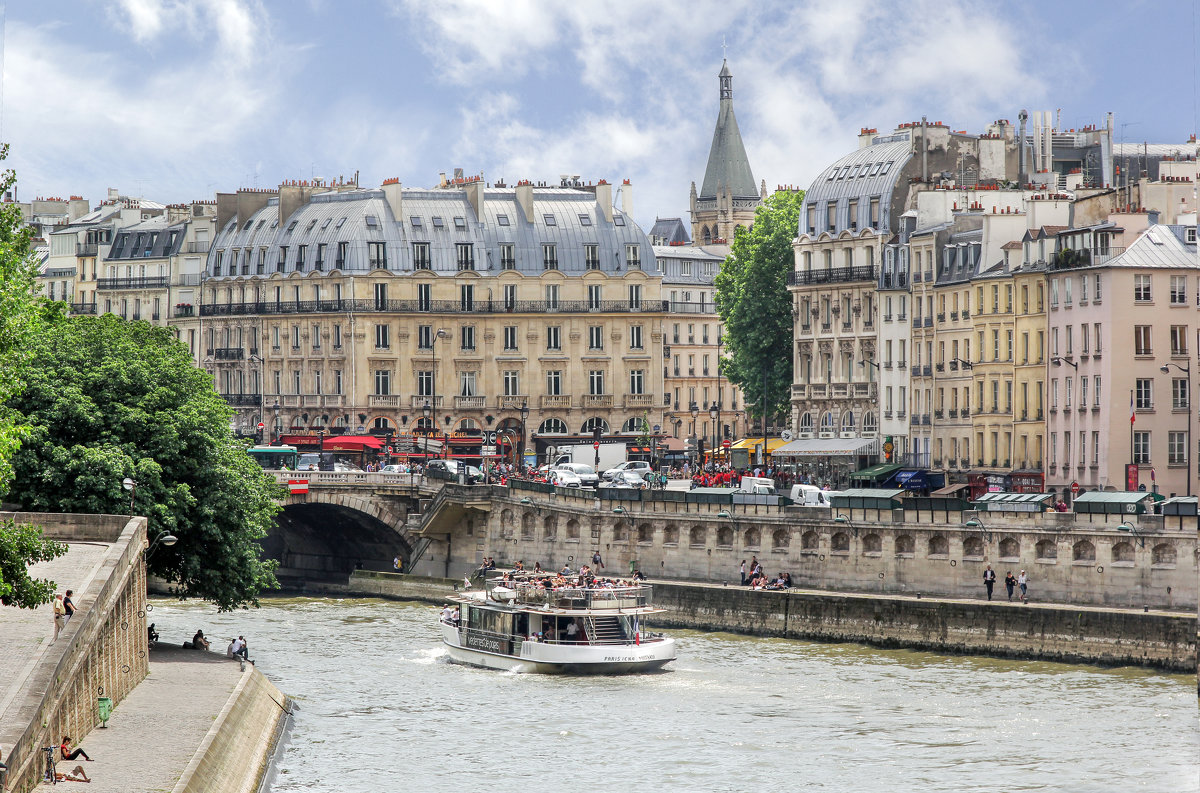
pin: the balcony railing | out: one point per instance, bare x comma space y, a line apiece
512, 401
597, 400
185, 311
197, 247
429, 306
157, 282
831, 276
639, 400
83, 308
86, 249
418, 402
470, 402
383, 401
556, 401
227, 353
243, 400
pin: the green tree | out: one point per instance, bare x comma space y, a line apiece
21, 546
107, 399
754, 304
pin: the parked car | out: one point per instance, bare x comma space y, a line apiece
639, 467
626, 479
587, 474
448, 469
565, 477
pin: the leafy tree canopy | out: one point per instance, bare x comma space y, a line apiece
754, 304
21, 546
107, 399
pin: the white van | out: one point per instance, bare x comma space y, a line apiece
759, 485
810, 496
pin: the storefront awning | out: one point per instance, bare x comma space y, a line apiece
950, 490
1013, 502
827, 447
1121, 501
352, 443
751, 443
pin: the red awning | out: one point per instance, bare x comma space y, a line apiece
353, 443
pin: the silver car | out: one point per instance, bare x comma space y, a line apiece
639, 467
587, 474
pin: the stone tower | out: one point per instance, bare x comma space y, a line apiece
728, 196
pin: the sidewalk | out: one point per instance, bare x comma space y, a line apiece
154, 733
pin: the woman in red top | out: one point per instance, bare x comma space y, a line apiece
67, 754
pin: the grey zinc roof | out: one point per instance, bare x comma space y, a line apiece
1158, 246
668, 230
728, 166
862, 174
671, 257
335, 217
149, 239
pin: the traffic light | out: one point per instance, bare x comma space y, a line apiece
596, 435
700, 449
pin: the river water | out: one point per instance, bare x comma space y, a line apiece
381, 709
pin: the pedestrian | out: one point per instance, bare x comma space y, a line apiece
69, 607
596, 560
1023, 581
67, 754
743, 572
989, 580
59, 613
398, 564
1010, 583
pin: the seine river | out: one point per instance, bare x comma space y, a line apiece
382, 709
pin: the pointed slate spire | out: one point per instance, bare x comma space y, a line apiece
728, 166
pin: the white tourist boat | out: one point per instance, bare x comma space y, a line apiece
524, 623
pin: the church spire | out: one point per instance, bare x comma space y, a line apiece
728, 166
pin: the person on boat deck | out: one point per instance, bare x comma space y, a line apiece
447, 613
537, 567
520, 567
566, 569
455, 616
573, 630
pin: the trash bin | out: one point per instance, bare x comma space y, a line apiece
105, 707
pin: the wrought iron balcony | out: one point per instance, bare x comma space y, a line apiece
83, 308
243, 400
227, 353
831, 276
157, 282
433, 307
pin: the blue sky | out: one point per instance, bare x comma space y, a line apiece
176, 99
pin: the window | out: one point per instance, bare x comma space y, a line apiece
1096, 327
1067, 291
467, 337
596, 382
1141, 288
510, 337
1179, 393
1179, 290
1095, 448
685, 268
508, 256
320, 262
596, 337
414, 220
1096, 391
343, 252
1177, 448
465, 255
1179, 340
1097, 299
316, 337
502, 220
552, 297
618, 220
1144, 394
591, 256
379, 291
301, 254
635, 337
637, 381
633, 256
438, 223
1083, 389
424, 297
1141, 340
594, 293
554, 383
1141, 448
1053, 293
466, 384
377, 255
425, 337
1054, 393
1083, 288
460, 224
635, 297
509, 295
549, 256
512, 383
554, 338
383, 382
425, 383
549, 220
381, 337
420, 254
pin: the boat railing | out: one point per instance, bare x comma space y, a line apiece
574, 598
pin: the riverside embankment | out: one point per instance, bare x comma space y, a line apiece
1040, 631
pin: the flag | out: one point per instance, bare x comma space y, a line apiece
1132, 413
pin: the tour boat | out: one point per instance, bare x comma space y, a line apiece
523, 623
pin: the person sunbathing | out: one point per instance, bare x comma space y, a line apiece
77, 775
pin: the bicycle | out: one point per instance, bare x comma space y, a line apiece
50, 776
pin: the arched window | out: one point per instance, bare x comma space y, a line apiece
972, 548
1163, 554
781, 538
698, 536
550, 527
468, 424
1083, 551
870, 422
645, 533
1046, 549
424, 423
671, 534
872, 545
340, 421
320, 421
753, 538
840, 543
1010, 549
848, 421
632, 425
381, 423
724, 537
527, 526
809, 542
905, 545
1122, 552
806, 423
706, 234
827, 424
620, 531
939, 546
572, 529
297, 422
552, 427
593, 424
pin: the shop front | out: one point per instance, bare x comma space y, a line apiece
1015, 482
825, 462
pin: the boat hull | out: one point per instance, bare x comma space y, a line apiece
568, 659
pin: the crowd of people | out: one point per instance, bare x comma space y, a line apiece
754, 577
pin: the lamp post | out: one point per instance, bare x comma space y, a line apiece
165, 537
714, 413
1187, 372
131, 486
695, 411
425, 411
441, 334
275, 422
524, 429
257, 359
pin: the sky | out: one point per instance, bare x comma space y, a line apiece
174, 100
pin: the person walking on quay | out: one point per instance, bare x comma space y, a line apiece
743, 571
59, 613
989, 580
69, 607
1023, 581
1010, 583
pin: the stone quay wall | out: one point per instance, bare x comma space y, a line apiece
1092, 635
1069, 558
102, 652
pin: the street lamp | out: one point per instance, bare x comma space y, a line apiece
695, 411
975, 523
524, 429
962, 363
165, 537
1129, 527
256, 359
845, 521
1187, 371
425, 411
131, 486
714, 413
1057, 361
275, 422
441, 334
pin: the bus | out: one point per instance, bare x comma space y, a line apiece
274, 458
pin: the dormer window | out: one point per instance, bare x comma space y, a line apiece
340, 222
618, 220
549, 220
311, 224
437, 222
249, 223
372, 222
325, 225
292, 225
502, 220
585, 220
460, 223
415, 221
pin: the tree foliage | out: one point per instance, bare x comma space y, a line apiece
107, 399
754, 304
21, 546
